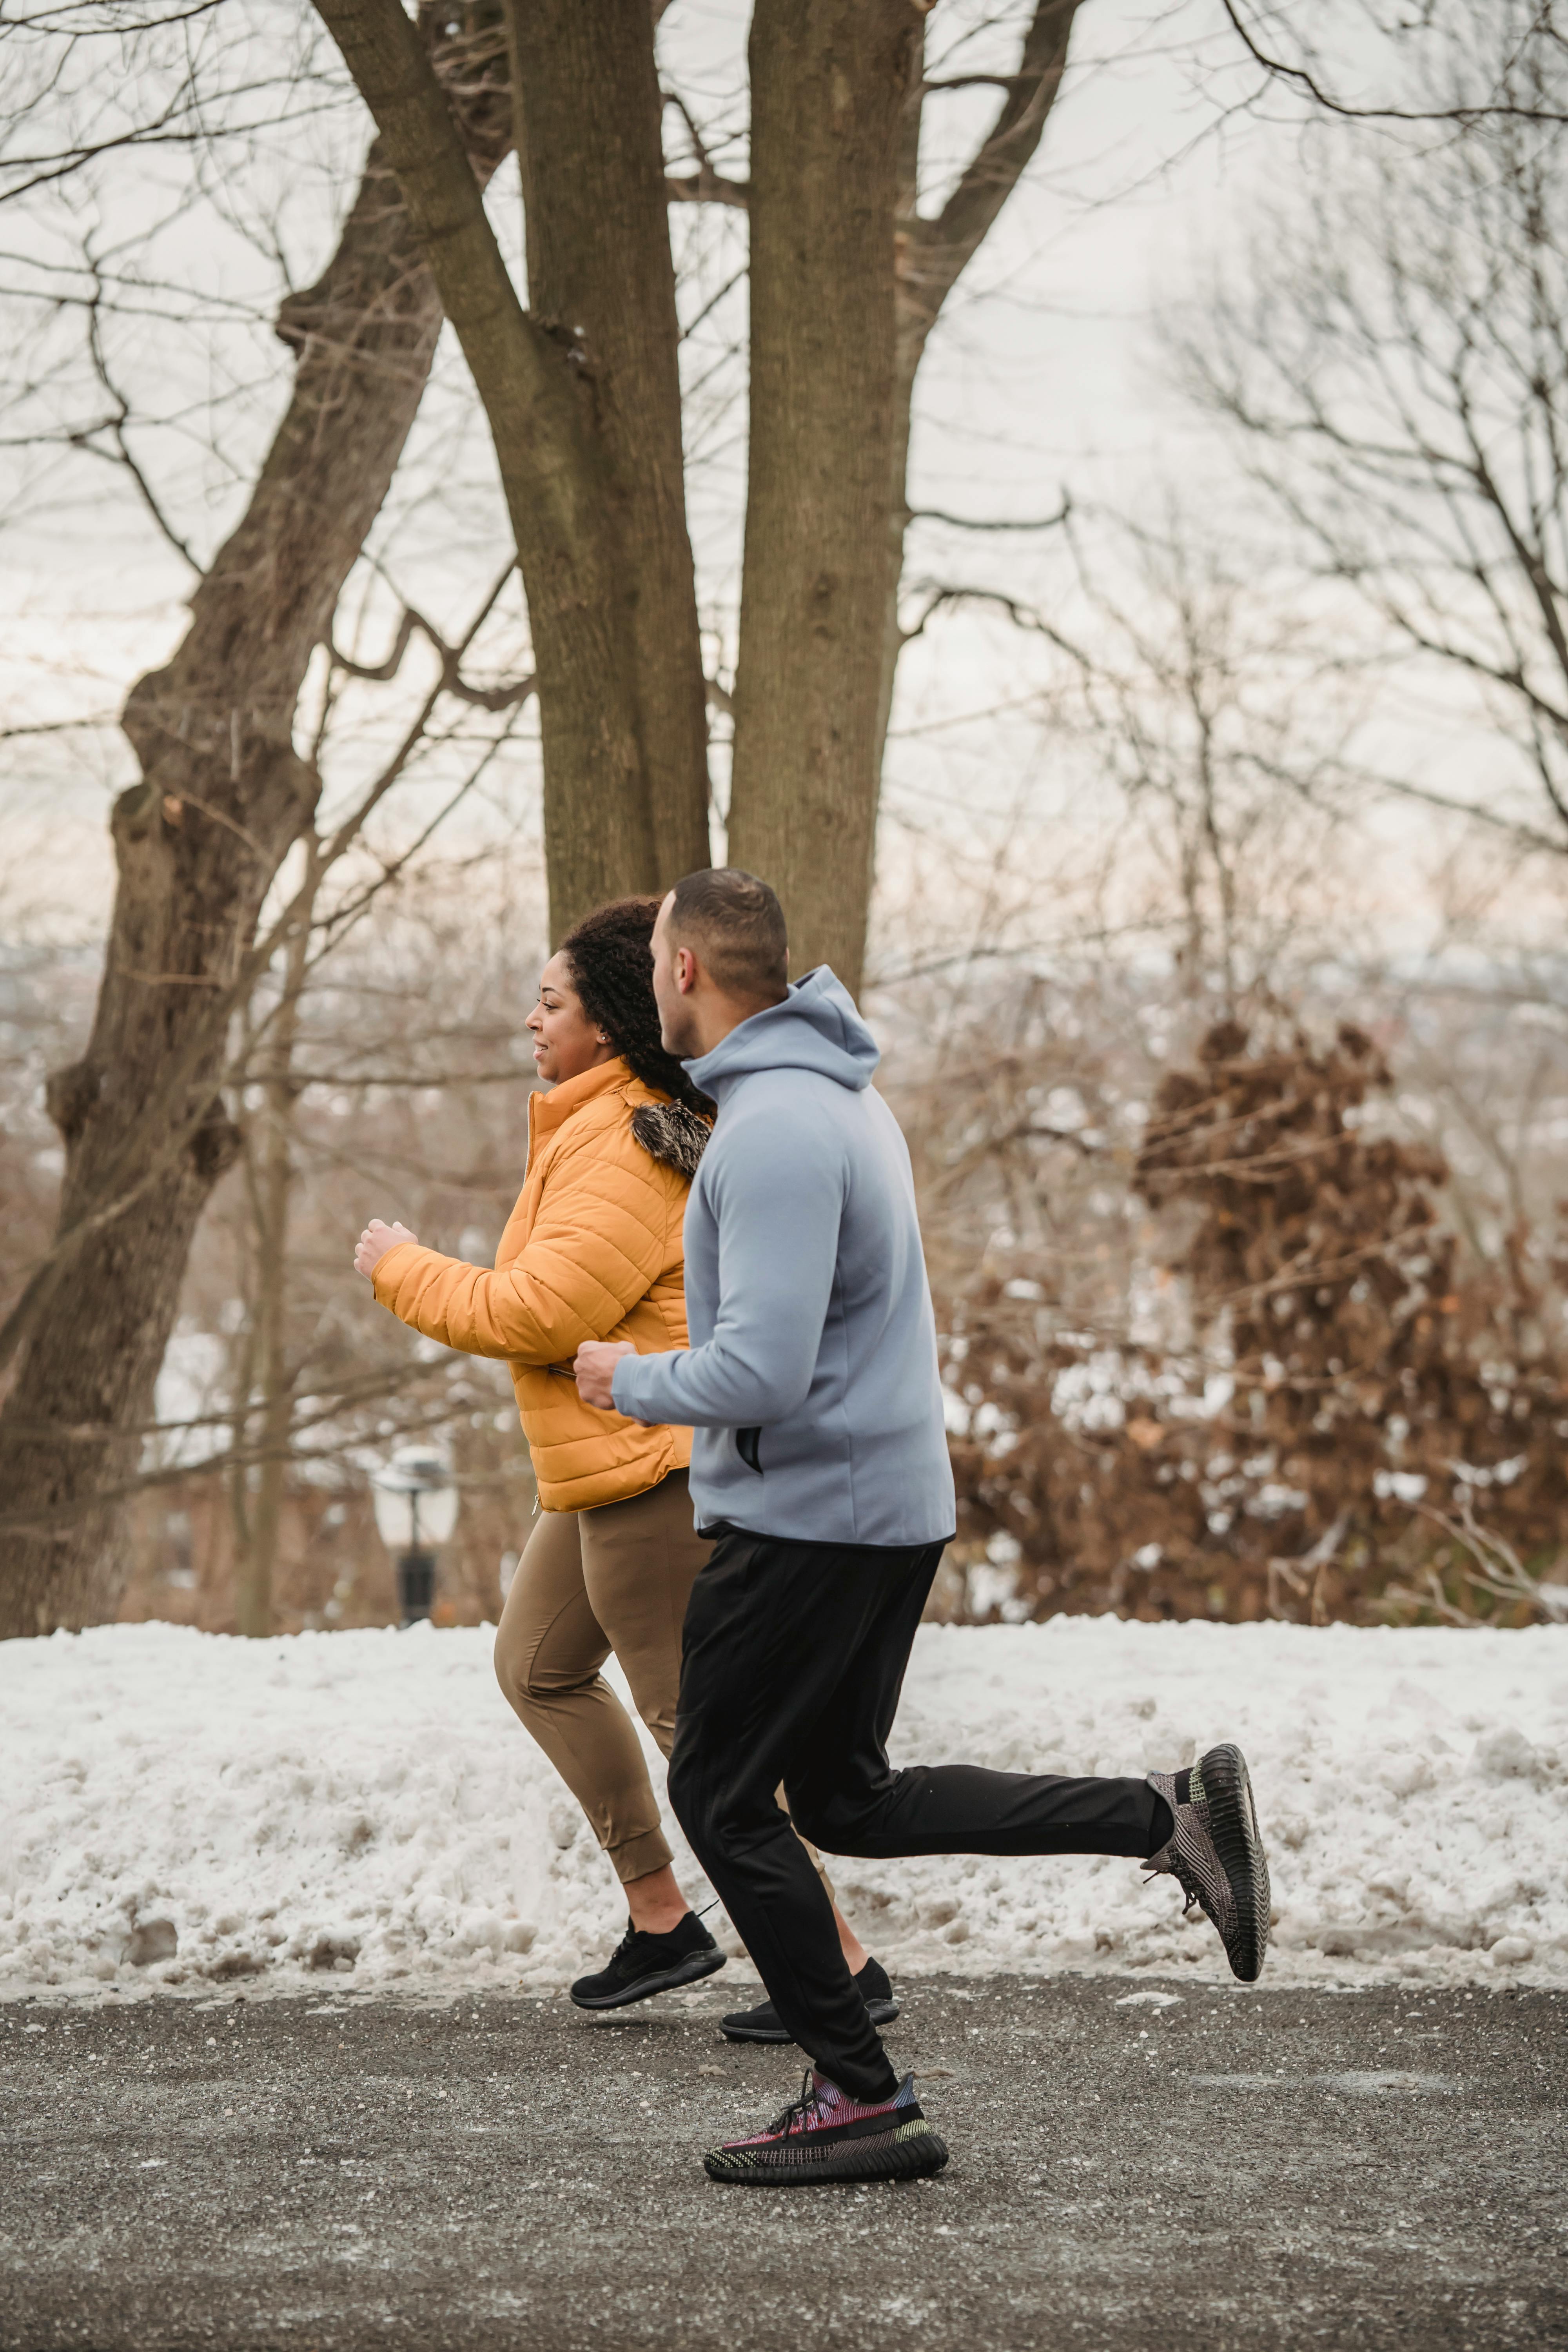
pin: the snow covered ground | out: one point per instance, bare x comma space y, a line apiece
182, 1810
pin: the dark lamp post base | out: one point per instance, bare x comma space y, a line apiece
415, 1585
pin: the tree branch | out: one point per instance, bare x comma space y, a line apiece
706, 186
967, 81
1021, 616
115, 425
970, 522
181, 1119
939, 250
525, 375
453, 682
1298, 77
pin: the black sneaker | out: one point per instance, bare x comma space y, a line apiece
642, 1965
828, 2136
764, 2023
1216, 1853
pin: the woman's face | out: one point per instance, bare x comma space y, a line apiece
565, 1042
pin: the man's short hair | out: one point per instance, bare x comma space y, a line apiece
737, 926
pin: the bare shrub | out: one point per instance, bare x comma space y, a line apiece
1318, 1401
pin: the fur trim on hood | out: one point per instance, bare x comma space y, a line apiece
671, 1133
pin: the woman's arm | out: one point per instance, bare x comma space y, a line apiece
599, 1242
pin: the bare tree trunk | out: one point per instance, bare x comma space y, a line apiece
824, 532
582, 401
829, 83
268, 1363
254, 1566
198, 842
236, 1476
609, 609
599, 270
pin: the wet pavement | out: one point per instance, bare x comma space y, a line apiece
1221, 2168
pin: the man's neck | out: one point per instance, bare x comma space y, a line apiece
718, 1016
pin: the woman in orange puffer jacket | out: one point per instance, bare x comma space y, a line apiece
592, 1251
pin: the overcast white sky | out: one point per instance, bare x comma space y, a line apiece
1045, 375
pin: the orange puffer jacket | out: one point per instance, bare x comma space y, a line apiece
591, 1251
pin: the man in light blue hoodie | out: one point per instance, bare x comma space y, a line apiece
820, 1467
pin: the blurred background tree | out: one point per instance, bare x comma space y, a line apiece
1215, 777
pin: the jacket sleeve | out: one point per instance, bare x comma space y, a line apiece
777, 1193
600, 1241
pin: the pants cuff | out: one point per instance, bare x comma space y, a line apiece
873, 2084
640, 1855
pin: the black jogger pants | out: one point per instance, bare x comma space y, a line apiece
793, 1661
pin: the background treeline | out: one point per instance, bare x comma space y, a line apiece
416, 544
1246, 1315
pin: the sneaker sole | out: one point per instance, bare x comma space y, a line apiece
1233, 1828
914, 2152
690, 1971
736, 2029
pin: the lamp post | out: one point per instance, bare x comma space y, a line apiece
416, 1504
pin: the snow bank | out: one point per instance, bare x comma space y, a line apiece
184, 1809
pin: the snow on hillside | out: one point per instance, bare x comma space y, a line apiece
190, 1812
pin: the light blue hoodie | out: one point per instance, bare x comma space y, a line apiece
811, 1380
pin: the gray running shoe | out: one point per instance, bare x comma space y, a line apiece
1216, 1855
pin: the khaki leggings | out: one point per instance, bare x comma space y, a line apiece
618, 1579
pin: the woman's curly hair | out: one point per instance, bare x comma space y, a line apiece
611, 955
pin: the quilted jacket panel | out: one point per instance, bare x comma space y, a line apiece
591, 1251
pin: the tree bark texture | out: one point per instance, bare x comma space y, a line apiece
831, 79
268, 1379
587, 599
600, 276
198, 842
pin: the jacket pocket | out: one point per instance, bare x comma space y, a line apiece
748, 1445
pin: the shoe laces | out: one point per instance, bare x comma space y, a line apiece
622, 1951
1168, 1864
807, 2109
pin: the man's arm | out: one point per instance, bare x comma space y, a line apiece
778, 1197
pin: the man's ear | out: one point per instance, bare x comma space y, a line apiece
686, 971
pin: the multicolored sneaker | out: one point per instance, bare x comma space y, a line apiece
828, 2136
1216, 1853
764, 2023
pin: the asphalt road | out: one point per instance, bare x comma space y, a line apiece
1237, 2168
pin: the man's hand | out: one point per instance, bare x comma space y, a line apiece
375, 1243
593, 1370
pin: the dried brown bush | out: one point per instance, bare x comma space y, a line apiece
1345, 1413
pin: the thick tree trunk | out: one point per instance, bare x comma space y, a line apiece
599, 270
597, 641
198, 841
581, 405
829, 83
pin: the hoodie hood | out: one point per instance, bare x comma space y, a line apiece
816, 1027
